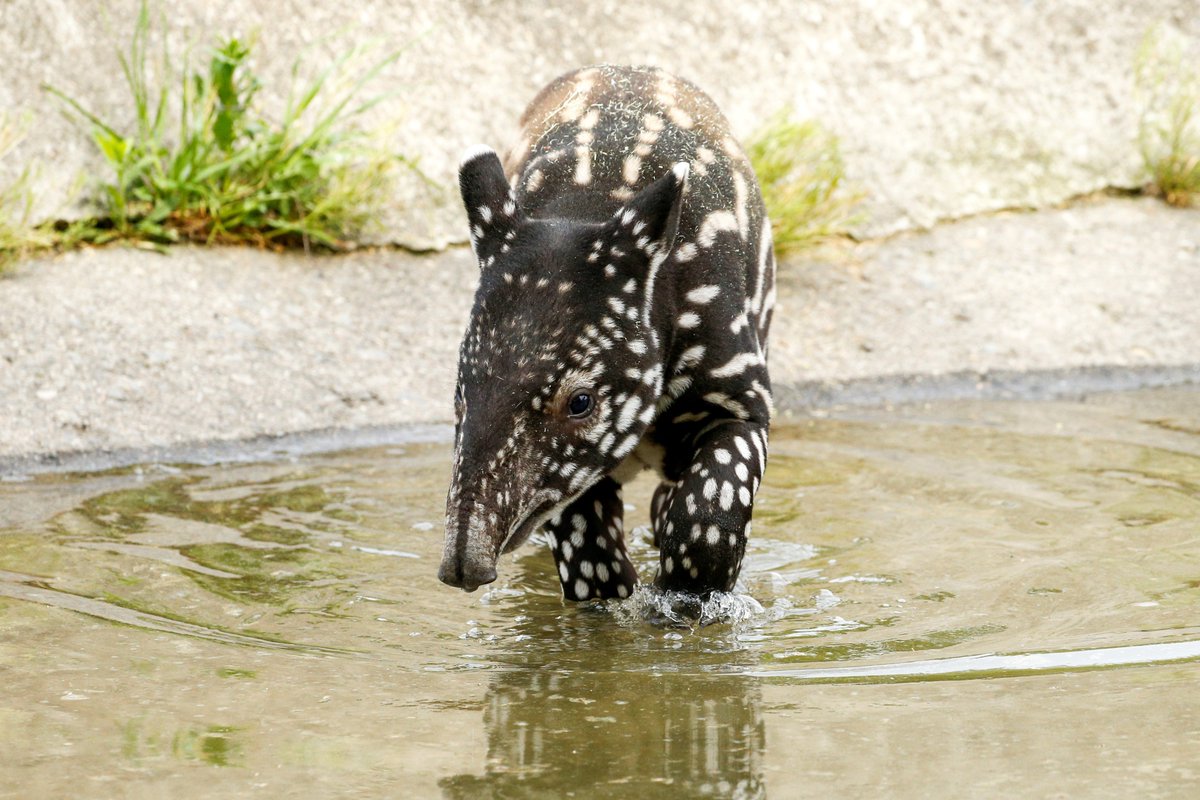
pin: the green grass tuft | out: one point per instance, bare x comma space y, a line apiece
17, 236
202, 164
1168, 86
799, 166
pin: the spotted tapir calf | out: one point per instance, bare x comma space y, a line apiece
627, 284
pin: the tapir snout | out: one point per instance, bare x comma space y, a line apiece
470, 552
467, 576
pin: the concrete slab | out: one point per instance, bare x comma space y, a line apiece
121, 348
945, 107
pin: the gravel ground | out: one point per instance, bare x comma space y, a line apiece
118, 348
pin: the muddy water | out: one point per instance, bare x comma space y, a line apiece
959, 599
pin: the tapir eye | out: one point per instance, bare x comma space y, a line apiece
580, 404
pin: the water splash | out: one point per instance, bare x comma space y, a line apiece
737, 609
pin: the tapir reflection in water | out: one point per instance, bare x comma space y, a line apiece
626, 286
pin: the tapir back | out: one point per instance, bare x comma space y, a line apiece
594, 137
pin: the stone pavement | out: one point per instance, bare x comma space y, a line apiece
121, 348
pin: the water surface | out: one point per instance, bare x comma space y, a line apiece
959, 598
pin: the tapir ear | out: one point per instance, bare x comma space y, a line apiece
492, 210
651, 218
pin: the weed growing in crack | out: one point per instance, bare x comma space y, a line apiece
18, 235
800, 168
1168, 87
201, 163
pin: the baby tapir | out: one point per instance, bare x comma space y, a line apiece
626, 288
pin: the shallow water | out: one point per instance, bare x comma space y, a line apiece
962, 598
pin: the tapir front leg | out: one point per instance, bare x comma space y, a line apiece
701, 521
589, 545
